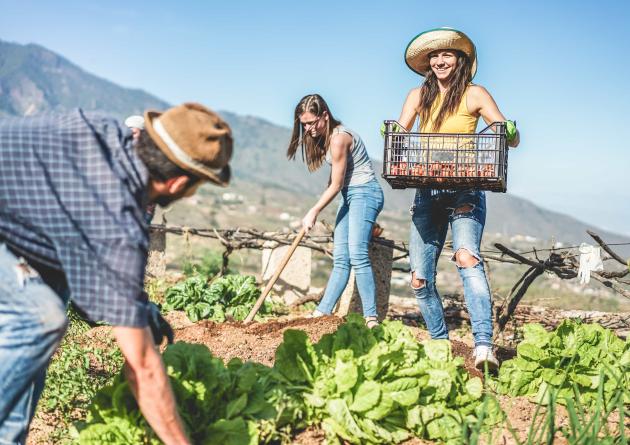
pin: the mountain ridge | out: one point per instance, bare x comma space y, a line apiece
34, 79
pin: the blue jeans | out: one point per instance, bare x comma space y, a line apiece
431, 217
358, 209
32, 324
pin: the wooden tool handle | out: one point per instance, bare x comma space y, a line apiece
275, 276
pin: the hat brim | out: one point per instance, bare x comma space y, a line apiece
418, 50
220, 177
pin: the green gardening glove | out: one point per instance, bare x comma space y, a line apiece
396, 128
510, 130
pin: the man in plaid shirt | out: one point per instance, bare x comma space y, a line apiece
73, 192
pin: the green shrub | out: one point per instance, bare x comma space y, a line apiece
228, 297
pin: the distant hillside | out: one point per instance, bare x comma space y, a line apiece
34, 79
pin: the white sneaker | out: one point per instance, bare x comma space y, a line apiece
485, 357
315, 314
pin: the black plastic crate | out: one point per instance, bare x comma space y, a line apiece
446, 160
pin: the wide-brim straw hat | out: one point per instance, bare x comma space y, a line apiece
418, 50
195, 138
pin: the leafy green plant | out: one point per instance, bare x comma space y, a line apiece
219, 404
575, 358
228, 297
308, 307
381, 386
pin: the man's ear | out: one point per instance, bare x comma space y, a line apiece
177, 184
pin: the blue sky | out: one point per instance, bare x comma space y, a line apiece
559, 68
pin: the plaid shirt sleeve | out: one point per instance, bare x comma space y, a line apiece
72, 196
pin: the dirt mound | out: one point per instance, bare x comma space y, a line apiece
256, 341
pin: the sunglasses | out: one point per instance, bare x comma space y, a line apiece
311, 123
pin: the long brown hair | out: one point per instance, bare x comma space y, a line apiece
313, 148
457, 87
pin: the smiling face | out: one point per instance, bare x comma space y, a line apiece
443, 63
314, 125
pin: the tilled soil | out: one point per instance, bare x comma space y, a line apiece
256, 341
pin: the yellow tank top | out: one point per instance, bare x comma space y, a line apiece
459, 122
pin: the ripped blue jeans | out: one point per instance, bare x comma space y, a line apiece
465, 212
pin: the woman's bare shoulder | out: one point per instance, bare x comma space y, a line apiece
413, 97
340, 138
477, 91
477, 98
414, 92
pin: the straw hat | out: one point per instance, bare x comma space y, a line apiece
417, 52
194, 138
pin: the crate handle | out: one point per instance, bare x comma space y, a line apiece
389, 123
500, 124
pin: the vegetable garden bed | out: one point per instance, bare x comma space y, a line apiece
258, 342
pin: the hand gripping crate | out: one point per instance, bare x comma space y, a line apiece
450, 161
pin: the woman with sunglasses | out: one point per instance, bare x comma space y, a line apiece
321, 138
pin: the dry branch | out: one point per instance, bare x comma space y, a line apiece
606, 248
565, 266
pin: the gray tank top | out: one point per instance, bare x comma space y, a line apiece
358, 167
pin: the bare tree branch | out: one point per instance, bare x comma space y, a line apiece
606, 248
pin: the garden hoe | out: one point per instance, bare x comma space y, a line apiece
275, 276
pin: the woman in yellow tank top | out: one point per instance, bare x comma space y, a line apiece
448, 102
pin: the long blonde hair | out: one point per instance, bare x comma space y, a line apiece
313, 148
